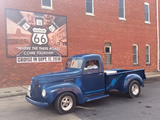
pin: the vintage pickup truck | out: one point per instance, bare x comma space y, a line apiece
84, 79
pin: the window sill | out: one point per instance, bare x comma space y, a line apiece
148, 64
135, 64
108, 64
48, 8
90, 14
122, 18
147, 22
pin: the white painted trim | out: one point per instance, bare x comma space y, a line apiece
146, 3
123, 18
147, 22
136, 53
90, 14
147, 45
47, 7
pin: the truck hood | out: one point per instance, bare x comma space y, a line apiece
60, 76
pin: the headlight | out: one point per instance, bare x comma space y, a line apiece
29, 88
43, 93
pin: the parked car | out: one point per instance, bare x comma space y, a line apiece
84, 79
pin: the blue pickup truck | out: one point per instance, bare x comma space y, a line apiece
84, 79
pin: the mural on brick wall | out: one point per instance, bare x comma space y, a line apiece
36, 37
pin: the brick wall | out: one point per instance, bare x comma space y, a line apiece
86, 34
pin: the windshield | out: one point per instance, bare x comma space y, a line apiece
74, 63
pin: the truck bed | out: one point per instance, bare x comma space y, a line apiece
114, 78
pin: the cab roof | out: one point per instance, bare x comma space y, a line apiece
87, 56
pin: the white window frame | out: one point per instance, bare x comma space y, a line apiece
136, 53
147, 22
147, 45
124, 4
47, 7
91, 14
109, 49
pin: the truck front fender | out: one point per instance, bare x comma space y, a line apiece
55, 90
128, 79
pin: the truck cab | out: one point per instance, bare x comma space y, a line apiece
84, 79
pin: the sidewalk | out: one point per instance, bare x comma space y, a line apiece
13, 91
22, 90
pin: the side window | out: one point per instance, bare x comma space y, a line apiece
107, 51
91, 65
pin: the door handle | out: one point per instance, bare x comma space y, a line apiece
100, 73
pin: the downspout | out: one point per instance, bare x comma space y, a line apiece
157, 35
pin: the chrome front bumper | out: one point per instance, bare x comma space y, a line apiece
36, 103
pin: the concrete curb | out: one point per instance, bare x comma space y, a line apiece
12, 95
153, 76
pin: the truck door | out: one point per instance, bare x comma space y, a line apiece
93, 77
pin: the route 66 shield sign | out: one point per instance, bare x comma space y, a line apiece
39, 38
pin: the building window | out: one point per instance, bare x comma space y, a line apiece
147, 16
122, 9
89, 7
46, 4
108, 54
147, 54
135, 54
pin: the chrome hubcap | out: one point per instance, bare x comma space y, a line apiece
135, 89
66, 103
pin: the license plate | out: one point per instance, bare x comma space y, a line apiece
28, 94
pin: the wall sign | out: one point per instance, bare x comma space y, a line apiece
36, 37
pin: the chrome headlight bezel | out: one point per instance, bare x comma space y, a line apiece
29, 88
44, 93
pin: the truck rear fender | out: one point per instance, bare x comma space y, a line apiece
56, 90
128, 79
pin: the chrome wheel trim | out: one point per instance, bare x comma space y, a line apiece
66, 103
135, 89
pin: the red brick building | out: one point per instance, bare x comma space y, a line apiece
123, 32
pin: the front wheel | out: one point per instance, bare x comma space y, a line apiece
134, 89
65, 103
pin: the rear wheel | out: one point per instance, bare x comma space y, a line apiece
65, 103
134, 89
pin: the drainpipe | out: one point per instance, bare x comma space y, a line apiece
157, 35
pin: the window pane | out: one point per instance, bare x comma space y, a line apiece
46, 3
134, 59
108, 59
121, 3
146, 8
147, 58
121, 12
89, 1
134, 50
146, 17
147, 49
135, 55
89, 7
107, 50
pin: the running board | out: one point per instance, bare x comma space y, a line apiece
96, 97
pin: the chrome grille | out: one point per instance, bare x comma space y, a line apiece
35, 92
